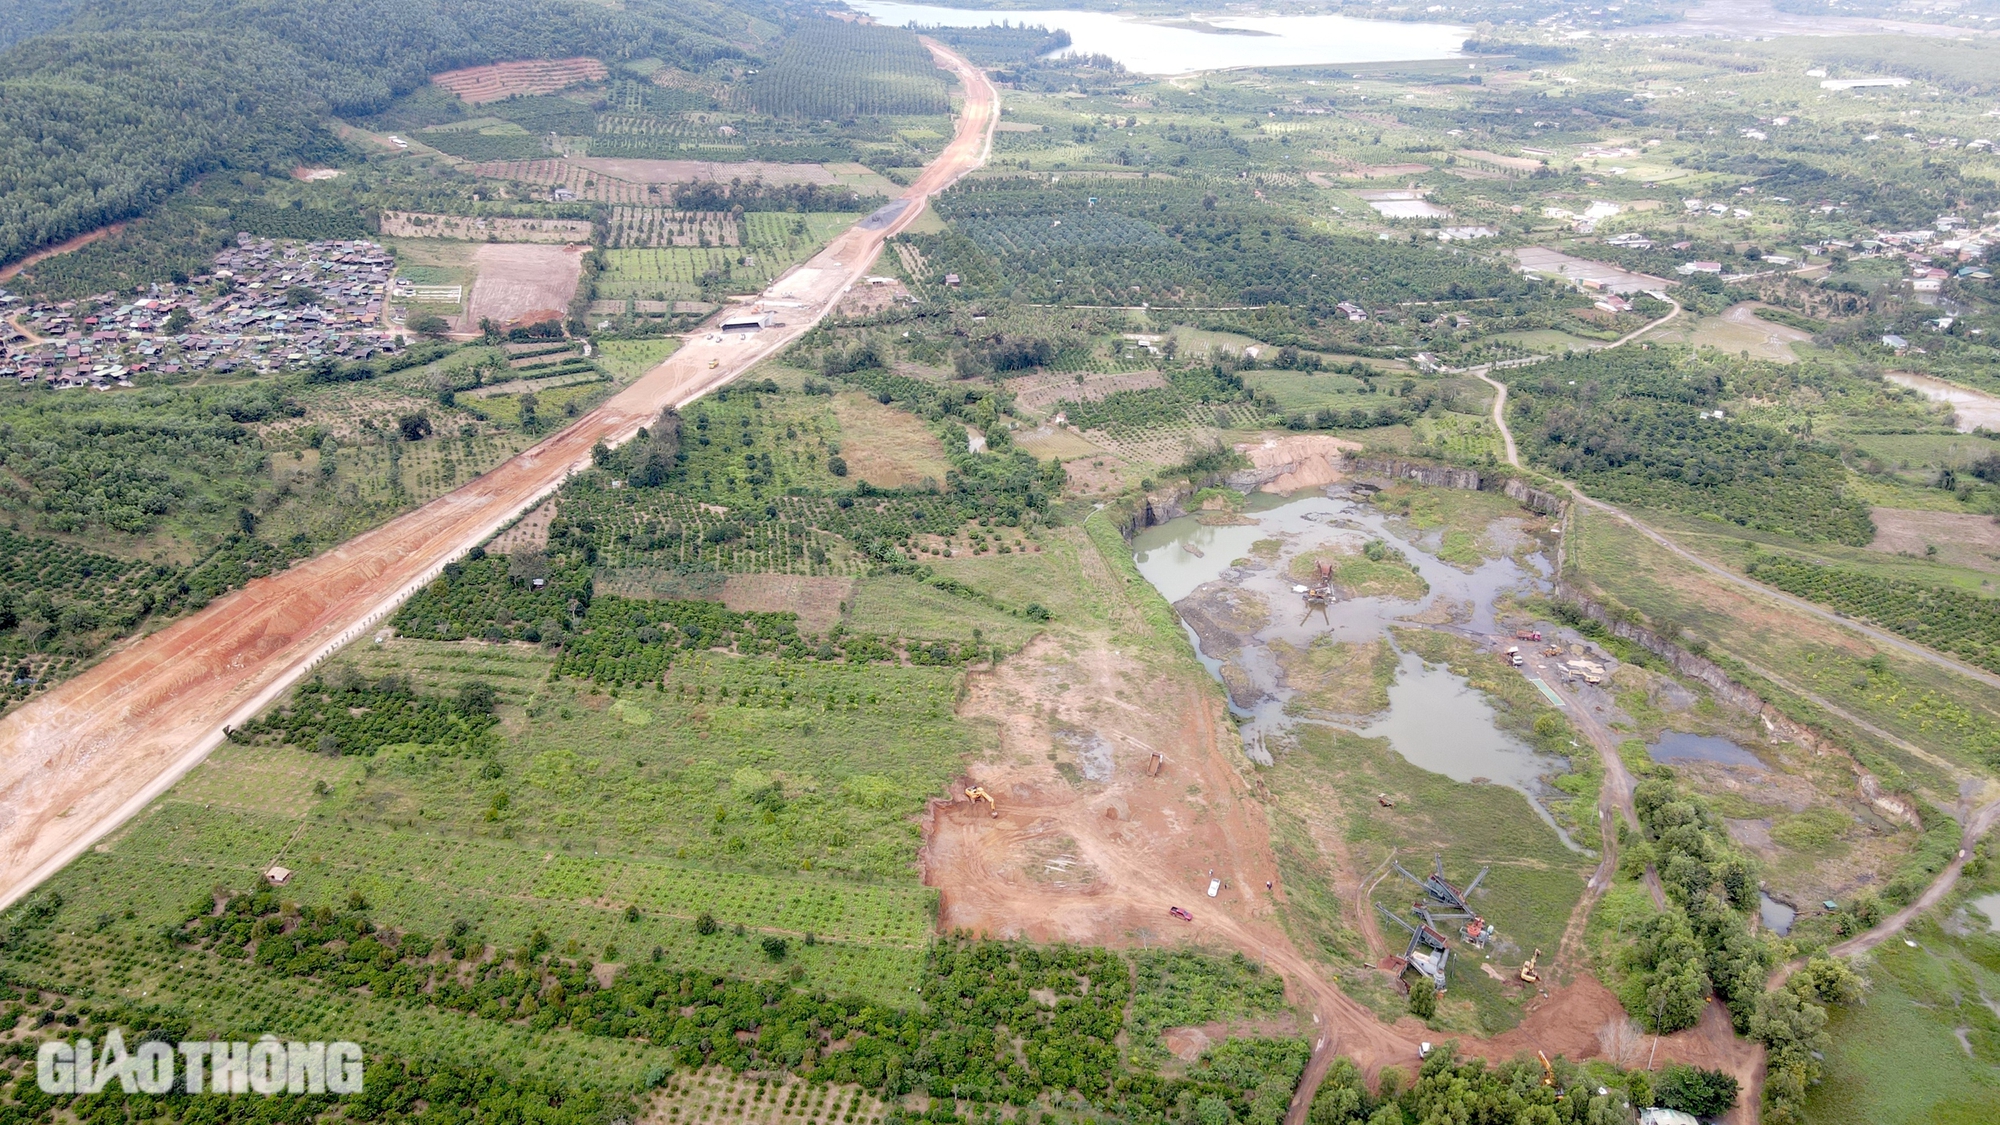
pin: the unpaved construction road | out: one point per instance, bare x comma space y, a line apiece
91, 753
1090, 846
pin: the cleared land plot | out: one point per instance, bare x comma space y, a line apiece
817, 600
1555, 263
1738, 329
1960, 538
1040, 392
522, 283
411, 224
886, 447
481, 84
529, 533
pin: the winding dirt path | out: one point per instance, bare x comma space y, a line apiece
80, 760
1880, 636
14, 269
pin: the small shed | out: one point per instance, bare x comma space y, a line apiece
278, 876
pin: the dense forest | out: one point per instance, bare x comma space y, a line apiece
103, 117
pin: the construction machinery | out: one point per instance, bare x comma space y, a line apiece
1427, 952
1548, 1073
1320, 594
1528, 635
1442, 889
978, 793
1155, 764
1528, 973
1476, 930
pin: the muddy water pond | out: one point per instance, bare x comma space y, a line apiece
1230, 582
1674, 746
1989, 905
1975, 409
1777, 917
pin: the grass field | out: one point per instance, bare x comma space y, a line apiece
1924, 1045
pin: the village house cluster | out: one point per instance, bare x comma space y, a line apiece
267, 305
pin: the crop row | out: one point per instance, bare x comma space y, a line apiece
1950, 620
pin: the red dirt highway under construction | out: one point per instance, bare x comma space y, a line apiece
80, 760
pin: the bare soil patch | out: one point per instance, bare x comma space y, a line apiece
867, 300
411, 224
1042, 390
1287, 464
817, 600
478, 85
522, 283
1059, 442
1077, 724
1961, 538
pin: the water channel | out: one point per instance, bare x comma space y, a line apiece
1186, 44
1238, 573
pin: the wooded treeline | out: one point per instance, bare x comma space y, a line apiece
104, 116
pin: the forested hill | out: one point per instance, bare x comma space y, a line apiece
104, 115
22, 18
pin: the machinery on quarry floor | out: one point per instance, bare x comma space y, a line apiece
1445, 893
978, 793
1319, 595
1427, 952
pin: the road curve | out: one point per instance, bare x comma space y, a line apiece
1880, 636
80, 760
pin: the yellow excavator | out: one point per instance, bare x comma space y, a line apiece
978, 793
1528, 973
1548, 1073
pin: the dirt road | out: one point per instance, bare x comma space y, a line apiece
1878, 635
80, 760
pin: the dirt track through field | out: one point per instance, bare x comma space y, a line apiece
82, 759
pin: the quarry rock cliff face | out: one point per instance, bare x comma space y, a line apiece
1286, 464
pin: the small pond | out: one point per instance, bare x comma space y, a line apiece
1777, 916
1674, 747
1989, 905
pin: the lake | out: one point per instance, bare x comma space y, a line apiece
1183, 45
